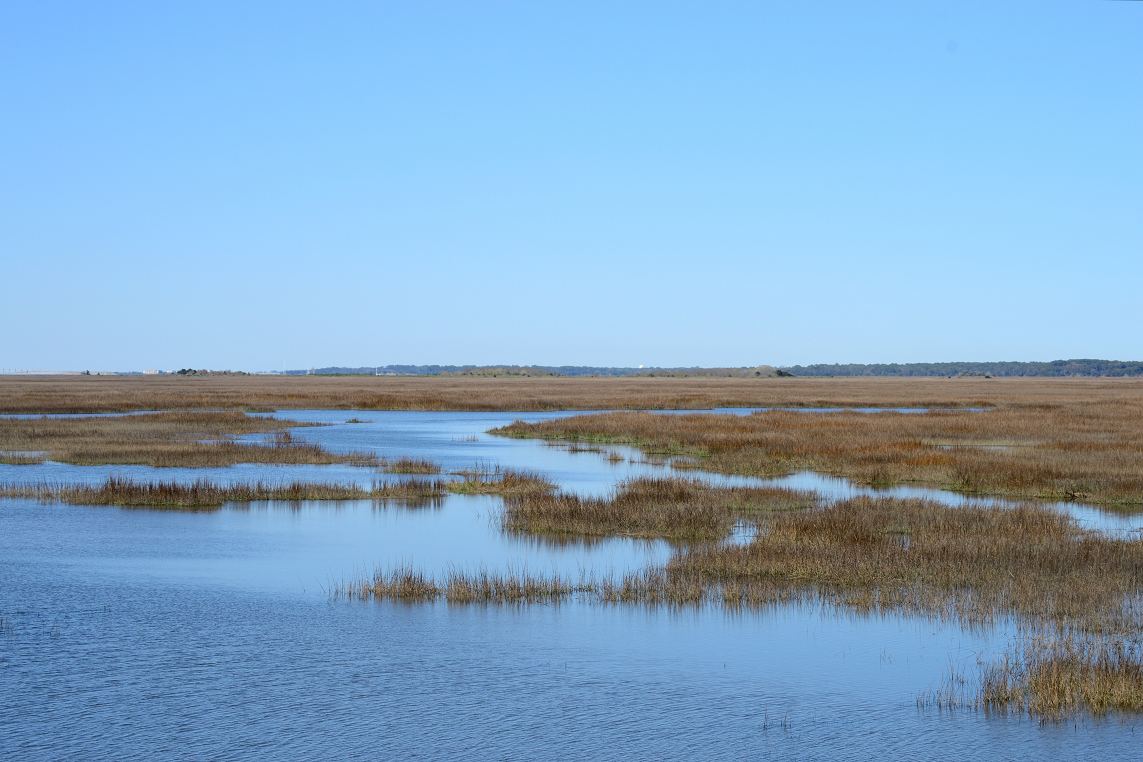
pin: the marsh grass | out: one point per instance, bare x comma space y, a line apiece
975, 565
109, 394
670, 508
170, 439
408, 465
495, 480
1060, 675
204, 493
1079, 451
409, 584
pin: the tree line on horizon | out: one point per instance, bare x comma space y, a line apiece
1055, 368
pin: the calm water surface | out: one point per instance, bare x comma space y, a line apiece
137, 634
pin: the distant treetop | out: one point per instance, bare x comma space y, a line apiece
1055, 368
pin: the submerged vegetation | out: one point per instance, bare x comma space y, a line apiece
1089, 452
186, 439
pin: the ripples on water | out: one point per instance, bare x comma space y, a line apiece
139, 634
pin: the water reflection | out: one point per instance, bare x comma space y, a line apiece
149, 634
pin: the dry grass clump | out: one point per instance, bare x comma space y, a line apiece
494, 480
186, 439
1061, 675
407, 465
1085, 451
671, 508
205, 493
408, 584
109, 394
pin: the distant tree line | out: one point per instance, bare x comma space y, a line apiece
1056, 368
535, 370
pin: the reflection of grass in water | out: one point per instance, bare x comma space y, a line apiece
205, 493
175, 439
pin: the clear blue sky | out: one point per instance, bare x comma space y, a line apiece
252, 186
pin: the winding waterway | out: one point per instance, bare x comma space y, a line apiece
141, 634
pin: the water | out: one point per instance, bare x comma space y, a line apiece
137, 634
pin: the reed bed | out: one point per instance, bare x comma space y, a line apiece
206, 493
670, 508
974, 565
408, 584
1081, 451
408, 465
166, 439
494, 480
109, 394
1060, 675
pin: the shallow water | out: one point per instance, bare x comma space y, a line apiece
139, 634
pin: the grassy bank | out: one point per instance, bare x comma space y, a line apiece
167, 439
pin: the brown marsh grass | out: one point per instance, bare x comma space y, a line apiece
974, 565
187, 439
206, 493
494, 480
1084, 451
1054, 676
408, 584
408, 465
670, 508
110, 394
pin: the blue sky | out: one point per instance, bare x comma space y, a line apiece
252, 186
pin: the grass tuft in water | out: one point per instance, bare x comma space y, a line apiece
204, 493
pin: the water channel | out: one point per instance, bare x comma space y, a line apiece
142, 634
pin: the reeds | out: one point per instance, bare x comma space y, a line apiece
669, 508
494, 480
408, 465
205, 493
409, 584
169, 439
1083, 451
1064, 674
974, 565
